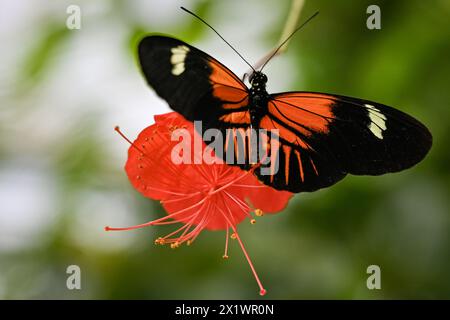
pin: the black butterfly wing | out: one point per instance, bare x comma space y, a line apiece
193, 83
323, 137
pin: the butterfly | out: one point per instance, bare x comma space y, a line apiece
322, 137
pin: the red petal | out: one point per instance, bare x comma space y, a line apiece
151, 171
262, 196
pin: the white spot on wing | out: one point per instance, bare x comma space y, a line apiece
377, 121
178, 69
177, 59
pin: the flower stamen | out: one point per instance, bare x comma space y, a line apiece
259, 212
262, 291
225, 254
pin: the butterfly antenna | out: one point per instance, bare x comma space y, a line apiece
190, 12
287, 39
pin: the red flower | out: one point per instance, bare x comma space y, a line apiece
199, 195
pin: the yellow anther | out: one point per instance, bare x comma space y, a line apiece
225, 256
188, 243
233, 236
175, 245
160, 241
253, 221
259, 212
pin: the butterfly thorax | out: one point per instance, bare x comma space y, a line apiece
258, 97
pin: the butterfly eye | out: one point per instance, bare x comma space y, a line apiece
263, 78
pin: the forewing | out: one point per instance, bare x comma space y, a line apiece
192, 82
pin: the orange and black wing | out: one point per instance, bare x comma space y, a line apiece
323, 137
193, 83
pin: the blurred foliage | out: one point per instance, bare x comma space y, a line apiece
321, 245
40, 57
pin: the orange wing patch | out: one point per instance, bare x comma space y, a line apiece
287, 153
238, 117
300, 165
238, 145
305, 112
227, 87
284, 133
298, 116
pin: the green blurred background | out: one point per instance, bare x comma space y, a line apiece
61, 164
